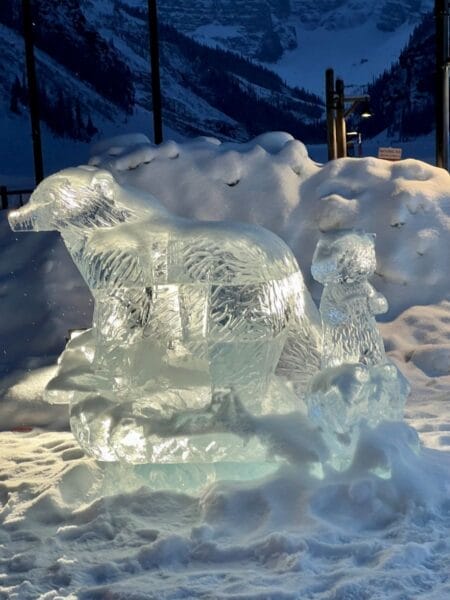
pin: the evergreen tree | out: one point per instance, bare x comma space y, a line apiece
16, 94
80, 128
91, 129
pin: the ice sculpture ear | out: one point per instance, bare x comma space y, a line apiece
103, 183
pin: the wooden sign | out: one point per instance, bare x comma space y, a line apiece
390, 153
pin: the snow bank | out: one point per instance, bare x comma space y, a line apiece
22, 403
356, 535
407, 205
272, 181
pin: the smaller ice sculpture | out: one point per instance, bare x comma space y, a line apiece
342, 263
198, 326
356, 383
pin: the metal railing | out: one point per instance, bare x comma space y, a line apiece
13, 198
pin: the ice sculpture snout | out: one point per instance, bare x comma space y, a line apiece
23, 219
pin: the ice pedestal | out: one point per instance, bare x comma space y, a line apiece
198, 327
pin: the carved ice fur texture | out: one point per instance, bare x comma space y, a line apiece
197, 325
342, 263
357, 383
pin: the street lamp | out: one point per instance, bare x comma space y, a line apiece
366, 110
337, 114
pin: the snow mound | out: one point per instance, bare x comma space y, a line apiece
272, 181
406, 204
203, 178
367, 534
421, 335
22, 403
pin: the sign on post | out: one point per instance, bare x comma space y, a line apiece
390, 153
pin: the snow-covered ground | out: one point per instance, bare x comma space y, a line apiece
75, 529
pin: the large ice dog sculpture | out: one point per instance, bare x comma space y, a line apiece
196, 324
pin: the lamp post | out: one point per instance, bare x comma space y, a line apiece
442, 91
356, 135
331, 121
337, 114
156, 80
33, 98
341, 126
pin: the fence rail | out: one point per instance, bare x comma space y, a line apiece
13, 198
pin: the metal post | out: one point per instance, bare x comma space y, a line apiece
442, 83
341, 136
4, 197
360, 150
33, 99
331, 119
156, 81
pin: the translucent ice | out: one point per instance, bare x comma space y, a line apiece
197, 325
343, 263
356, 383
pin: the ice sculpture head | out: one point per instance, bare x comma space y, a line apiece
82, 197
344, 257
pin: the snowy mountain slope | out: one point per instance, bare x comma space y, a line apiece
205, 91
267, 29
192, 73
403, 95
357, 55
67, 104
59, 150
257, 28
359, 39
346, 14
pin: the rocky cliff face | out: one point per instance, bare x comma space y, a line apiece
389, 15
403, 96
259, 28
265, 29
93, 66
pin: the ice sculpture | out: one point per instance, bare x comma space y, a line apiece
197, 325
357, 383
342, 263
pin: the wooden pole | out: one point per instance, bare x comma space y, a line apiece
4, 197
156, 79
442, 83
331, 118
341, 133
33, 98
